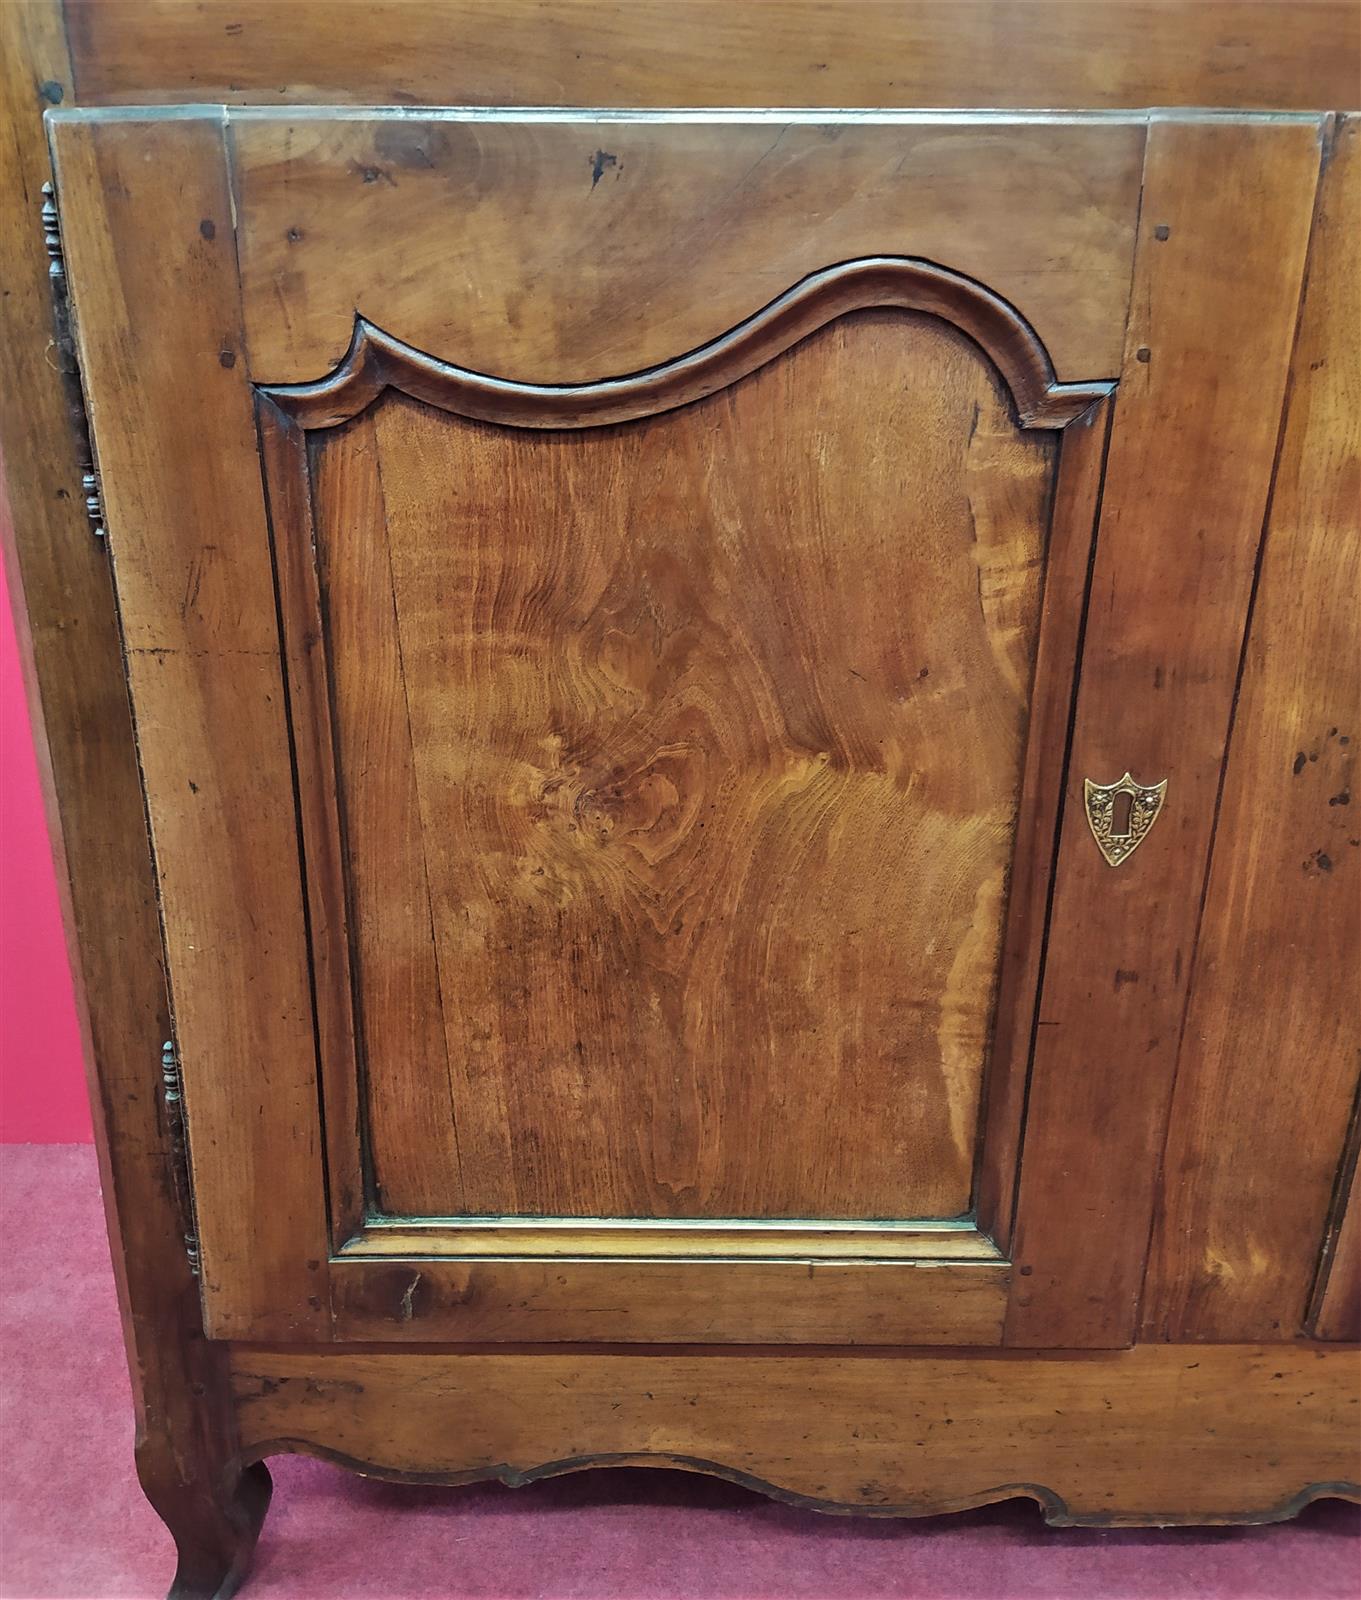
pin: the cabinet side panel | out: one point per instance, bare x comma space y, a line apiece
1272, 54
59, 580
1269, 1056
149, 248
1223, 234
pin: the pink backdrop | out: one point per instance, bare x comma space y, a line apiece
42, 1078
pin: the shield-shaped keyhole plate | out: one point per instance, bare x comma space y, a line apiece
1120, 814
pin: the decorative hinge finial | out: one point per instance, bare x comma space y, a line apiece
56, 265
64, 345
172, 1093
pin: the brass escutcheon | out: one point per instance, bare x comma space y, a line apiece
1119, 830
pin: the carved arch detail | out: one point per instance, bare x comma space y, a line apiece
377, 361
946, 1501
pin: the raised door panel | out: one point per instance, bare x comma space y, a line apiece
676, 841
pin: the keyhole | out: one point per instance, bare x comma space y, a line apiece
1122, 810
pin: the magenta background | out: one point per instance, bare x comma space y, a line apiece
42, 1075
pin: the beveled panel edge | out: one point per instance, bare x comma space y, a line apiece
377, 360
627, 1238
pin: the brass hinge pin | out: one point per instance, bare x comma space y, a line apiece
172, 1093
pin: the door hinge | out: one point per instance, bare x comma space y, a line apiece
172, 1092
68, 364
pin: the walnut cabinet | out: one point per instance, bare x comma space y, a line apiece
726, 735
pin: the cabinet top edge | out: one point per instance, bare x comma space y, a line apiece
775, 116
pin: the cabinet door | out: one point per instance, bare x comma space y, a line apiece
633, 665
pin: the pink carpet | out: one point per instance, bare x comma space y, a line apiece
76, 1527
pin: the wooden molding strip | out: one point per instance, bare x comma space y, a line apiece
377, 360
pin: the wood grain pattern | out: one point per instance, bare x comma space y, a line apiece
1273, 1034
713, 1301
730, 808
154, 283
1064, 53
655, 254
1217, 283
1243, 1433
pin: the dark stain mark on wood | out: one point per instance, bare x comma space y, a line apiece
601, 162
208, 228
1144, 354
372, 174
1320, 861
52, 92
1162, 231
413, 145
1122, 977
1343, 797
1300, 759
326, 1388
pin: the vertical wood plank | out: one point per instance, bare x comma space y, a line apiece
152, 266
1269, 1056
1218, 265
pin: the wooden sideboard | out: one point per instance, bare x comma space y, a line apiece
701, 704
